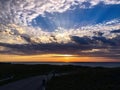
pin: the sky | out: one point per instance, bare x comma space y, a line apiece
60, 30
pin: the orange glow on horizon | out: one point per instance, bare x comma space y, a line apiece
53, 58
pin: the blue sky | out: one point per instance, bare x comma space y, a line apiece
77, 17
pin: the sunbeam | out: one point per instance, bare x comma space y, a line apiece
68, 27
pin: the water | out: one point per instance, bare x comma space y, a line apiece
99, 64
91, 64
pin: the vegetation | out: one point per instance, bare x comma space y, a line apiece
87, 79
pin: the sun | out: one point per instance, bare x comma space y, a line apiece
65, 55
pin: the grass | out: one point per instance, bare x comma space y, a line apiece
87, 79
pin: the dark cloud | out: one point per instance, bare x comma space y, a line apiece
115, 31
81, 40
96, 41
70, 48
43, 48
26, 37
104, 41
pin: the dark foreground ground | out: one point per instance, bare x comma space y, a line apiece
73, 77
33, 83
13, 72
88, 79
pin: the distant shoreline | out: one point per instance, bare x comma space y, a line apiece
91, 64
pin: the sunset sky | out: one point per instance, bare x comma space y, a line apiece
59, 30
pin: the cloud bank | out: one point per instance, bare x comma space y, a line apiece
18, 36
15, 34
95, 40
